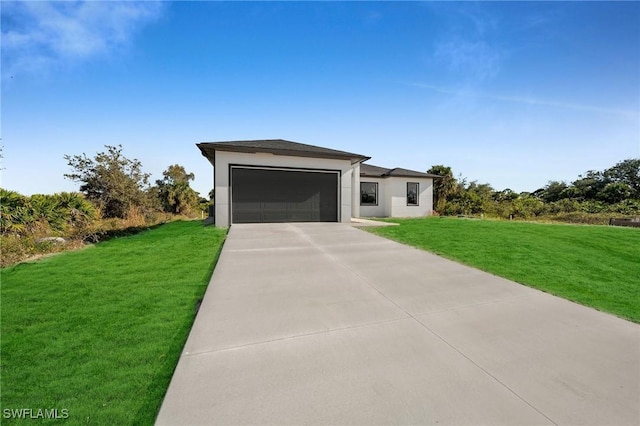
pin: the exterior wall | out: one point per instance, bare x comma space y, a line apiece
221, 178
398, 207
392, 198
426, 196
355, 190
373, 211
346, 192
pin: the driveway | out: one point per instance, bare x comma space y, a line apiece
328, 324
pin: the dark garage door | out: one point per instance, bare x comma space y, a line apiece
265, 195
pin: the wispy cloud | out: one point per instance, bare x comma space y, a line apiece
39, 35
467, 50
528, 100
473, 58
481, 20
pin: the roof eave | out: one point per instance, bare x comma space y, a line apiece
407, 175
209, 152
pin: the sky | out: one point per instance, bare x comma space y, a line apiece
513, 94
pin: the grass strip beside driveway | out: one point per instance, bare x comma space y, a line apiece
98, 332
597, 266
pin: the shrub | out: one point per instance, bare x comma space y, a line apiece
14, 212
17, 248
627, 207
527, 207
581, 218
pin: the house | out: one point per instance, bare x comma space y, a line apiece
282, 181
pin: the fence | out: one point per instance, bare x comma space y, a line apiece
634, 222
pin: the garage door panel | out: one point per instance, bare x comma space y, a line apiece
273, 205
246, 216
274, 216
248, 205
308, 204
267, 195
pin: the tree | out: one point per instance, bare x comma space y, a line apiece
505, 195
115, 183
587, 187
615, 192
627, 172
443, 187
554, 191
174, 191
469, 198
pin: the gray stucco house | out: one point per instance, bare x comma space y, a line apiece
276, 180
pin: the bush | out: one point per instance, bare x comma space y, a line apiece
627, 207
17, 248
580, 218
526, 207
565, 205
14, 248
24, 220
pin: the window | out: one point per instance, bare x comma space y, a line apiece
413, 188
368, 194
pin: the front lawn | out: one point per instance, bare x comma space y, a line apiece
98, 332
597, 266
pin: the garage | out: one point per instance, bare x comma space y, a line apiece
283, 195
275, 180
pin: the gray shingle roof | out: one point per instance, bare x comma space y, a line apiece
375, 171
279, 147
372, 171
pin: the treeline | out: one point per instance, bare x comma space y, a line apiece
592, 198
115, 196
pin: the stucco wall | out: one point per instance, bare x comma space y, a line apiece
355, 191
392, 198
221, 178
374, 211
397, 190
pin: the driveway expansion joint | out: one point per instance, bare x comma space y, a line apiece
296, 336
485, 371
474, 305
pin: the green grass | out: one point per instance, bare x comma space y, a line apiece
98, 331
597, 266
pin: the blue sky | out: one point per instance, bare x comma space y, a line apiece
509, 93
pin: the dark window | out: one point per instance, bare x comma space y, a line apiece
413, 188
368, 194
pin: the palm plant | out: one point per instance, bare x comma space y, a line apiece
14, 212
78, 211
47, 214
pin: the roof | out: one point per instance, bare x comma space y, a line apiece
278, 147
375, 171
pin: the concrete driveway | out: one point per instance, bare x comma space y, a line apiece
328, 324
